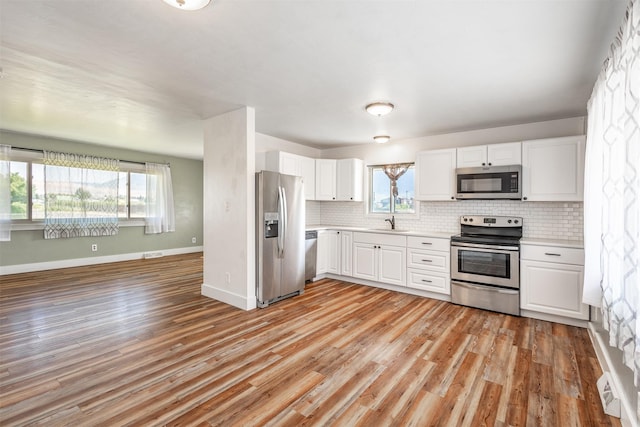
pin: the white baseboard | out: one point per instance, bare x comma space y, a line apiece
79, 262
553, 318
403, 289
628, 414
231, 298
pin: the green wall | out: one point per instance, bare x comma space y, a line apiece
30, 246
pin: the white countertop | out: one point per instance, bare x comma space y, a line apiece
576, 244
436, 234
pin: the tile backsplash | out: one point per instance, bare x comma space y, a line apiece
544, 220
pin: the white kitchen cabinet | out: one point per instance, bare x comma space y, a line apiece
490, 155
339, 179
428, 264
322, 244
380, 258
551, 279
346, 253
365, 261
293, 164
435, 174
325, 179
553, 169
349, 176
328, 252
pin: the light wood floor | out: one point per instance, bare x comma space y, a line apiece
135, 343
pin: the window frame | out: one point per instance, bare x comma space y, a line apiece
368, 197
36, 157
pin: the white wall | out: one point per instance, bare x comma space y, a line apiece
229, 208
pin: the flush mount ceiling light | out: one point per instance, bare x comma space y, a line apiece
188, 4
381, 139
378, 108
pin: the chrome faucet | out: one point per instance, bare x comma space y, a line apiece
392, 221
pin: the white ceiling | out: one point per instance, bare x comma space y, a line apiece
141, 74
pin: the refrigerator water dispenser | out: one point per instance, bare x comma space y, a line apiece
270, 225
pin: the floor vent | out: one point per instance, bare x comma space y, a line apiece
609, 396
148, 255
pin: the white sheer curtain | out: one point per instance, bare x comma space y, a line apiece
81, 195
612, 193
5, 193
160, 216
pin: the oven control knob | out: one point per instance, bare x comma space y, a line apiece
470, 219
509, 221
465, 219
515, 220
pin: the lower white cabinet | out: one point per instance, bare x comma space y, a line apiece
328, 252
551, 281
428, 264
380, 258
346, 253
334, 252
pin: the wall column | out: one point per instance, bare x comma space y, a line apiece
229, 208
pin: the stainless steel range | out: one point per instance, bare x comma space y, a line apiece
485, 263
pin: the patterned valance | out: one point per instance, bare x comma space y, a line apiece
81, 161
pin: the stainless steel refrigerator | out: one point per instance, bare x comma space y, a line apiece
280, 227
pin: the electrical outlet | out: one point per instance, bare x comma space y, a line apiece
227, 277
193, 240
94, 248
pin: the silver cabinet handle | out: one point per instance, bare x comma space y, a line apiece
427, 281
427, 260
551, 254
427, 243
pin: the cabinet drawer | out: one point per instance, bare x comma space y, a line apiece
552, 254
428, 281
380, 239
430, 243
429, 260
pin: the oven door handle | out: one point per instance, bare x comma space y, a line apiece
490, 247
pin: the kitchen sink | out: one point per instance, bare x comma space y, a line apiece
390, 230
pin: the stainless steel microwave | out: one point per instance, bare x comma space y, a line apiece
491, 182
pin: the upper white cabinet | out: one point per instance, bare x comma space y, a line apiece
326, 179
553, 169
293, 164
339, 179
490, 155
435, 174
349, 177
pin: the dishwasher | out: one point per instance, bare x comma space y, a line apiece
310, 249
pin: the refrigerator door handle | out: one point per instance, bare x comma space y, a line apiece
280, 240
285, 214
